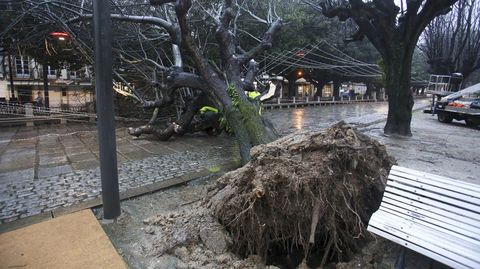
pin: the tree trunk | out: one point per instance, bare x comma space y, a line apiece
369, 91
400, 97
336, 88
249, 127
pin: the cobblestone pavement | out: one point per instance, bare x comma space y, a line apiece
42, 168
51, 166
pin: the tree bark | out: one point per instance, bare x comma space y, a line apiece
250, 128
400, 97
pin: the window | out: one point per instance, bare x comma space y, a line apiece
21, 64
73, 74
64, 91
51, 72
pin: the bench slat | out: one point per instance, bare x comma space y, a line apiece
433, 215
445, 180
468, 231
436, 189
402, 218
418, 248
464, 190
435, 196
435, 207
432, 202
411, 235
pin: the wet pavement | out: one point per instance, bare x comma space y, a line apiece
287, 121
446, 149
51, 166
48, 167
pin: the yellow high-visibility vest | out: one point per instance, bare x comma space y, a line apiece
208, 108
253, 95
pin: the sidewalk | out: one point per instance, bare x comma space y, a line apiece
48, 171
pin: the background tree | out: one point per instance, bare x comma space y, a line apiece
394, 32
451, 43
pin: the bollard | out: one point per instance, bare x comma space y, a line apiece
29, 113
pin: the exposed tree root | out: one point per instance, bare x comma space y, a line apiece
304, 191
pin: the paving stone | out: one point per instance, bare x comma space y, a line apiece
49, 160
53, 171
18, 176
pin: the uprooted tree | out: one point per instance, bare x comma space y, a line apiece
221, 82
226, 86
394, 32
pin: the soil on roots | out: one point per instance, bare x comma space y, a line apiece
307, 196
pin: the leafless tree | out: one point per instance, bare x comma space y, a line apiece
452, 42
394, 31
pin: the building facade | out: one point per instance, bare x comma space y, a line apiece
67, 89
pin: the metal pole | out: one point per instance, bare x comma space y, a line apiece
10, 68
106, 121
45, 82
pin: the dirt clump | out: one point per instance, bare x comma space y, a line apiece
303, 201
193, 238
305, 197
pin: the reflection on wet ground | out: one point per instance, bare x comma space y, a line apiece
313, 118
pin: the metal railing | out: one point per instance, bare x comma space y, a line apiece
312, 101
18, 113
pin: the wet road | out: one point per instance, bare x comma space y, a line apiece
313, 118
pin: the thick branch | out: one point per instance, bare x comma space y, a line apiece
169, 27
266, 43
176, 78
160, 2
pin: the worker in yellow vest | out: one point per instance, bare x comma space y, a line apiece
255, 96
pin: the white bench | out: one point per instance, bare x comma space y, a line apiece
436, 216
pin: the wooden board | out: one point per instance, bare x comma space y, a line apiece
71, 241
